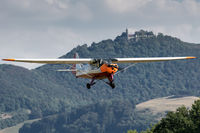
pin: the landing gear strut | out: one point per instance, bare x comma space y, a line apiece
111, 83
90, 84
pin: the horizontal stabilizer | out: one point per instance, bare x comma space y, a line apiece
66, 70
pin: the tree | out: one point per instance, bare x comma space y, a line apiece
195, 116
132, 131
181, 121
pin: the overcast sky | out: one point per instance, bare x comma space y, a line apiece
51, 28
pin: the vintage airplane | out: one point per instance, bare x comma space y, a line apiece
97, 69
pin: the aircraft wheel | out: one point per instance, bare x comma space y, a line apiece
88, 86
112, 85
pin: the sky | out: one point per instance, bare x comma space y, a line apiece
51, 28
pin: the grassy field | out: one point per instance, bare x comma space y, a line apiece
164, 104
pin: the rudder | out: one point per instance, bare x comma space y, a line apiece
76, 67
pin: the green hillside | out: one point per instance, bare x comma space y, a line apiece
140, 81
103, 117
44, 91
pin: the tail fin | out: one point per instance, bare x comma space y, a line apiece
76, 67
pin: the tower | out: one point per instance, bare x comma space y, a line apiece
127, 34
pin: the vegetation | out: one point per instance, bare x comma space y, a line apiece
182, 121
15, 118
104, 117
22, 89
117, 117
132, 131
44, 91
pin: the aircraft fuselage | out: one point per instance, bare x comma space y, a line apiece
93, 71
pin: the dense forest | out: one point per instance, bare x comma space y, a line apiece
103, 117
44, 91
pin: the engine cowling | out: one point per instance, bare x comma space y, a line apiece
109, 68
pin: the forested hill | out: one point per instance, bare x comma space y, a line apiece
45, 91
140, 81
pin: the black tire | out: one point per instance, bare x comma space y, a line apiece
112, 85
88, 86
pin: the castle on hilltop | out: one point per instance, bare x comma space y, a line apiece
139, 35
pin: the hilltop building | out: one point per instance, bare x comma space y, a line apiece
139, 35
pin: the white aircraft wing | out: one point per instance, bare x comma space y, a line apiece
149, 59
53, 61
89, 60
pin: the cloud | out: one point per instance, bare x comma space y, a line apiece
155, 7
50, 28
192, 7
49, 43
44, 10
124, 6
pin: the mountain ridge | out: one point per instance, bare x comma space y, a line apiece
64, 92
